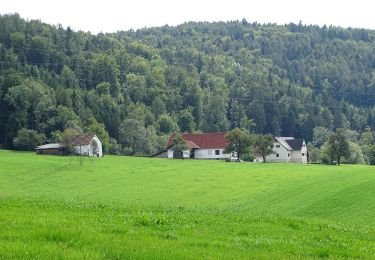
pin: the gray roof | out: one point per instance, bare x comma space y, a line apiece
49, 146
295, 144
282, 141
290, 143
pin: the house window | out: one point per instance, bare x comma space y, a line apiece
288, 154
217, 152
277, 155
277, 146
303, 154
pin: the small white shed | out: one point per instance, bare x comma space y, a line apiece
88, 145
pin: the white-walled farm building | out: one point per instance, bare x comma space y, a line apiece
286, 149
200, 146
86, 145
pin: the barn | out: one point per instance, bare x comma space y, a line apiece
85, 144
50, 149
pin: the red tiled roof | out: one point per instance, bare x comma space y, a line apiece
84, 139
191, 144
202, 140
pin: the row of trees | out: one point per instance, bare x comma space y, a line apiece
244, 144
335, 147
354, 147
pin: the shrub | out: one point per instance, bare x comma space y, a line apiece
27, 139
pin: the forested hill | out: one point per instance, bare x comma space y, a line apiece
193, 77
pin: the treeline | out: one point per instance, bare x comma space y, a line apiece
327, 147
134, 88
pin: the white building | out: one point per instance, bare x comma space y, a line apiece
200, 146
88, 145
286, 149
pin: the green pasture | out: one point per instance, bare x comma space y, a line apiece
126, 207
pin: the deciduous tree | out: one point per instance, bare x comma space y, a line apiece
264, 145
239, 141
28, 139
338, 146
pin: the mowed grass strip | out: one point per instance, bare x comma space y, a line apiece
37, 229
292, 190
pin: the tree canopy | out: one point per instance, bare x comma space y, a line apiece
286, 79
338, 146
239, 141
264, 145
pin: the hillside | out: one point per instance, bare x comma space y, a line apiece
126, 207
193, 77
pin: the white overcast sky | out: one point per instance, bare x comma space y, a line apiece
113, 15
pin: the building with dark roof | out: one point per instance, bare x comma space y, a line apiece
287, 149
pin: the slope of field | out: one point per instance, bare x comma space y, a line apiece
283, 189
123, 207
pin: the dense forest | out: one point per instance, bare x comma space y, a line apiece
133, 88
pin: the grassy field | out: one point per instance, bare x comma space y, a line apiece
122, 207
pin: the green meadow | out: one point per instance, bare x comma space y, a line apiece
142, 208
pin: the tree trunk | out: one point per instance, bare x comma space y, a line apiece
338, 160
264, 158
238, 156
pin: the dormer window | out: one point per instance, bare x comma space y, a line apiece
277, 146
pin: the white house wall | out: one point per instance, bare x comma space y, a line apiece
258, 159
100, 146
284, 154
202, 154
185, 154
210, 154
87, 150
170, 154
83, 150
297, 155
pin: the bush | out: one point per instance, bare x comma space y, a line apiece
371, 155
127, 151
114, 148
355, 154
324, 157
166, 124
249, 157
314, 154
27, 139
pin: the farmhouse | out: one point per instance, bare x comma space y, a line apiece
86, 144
286, 149
200, 146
